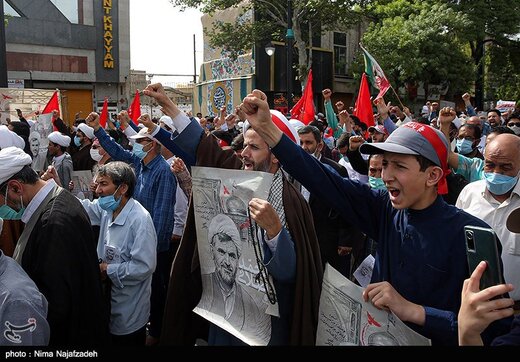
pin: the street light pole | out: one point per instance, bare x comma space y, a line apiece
290, 42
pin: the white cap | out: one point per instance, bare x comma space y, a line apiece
59, 138
143, 133
87, 130
12, 160
10, 139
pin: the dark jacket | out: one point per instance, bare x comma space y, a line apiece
181, 326
61, 258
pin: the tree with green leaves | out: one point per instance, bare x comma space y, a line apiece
493, 29
310, 17
418, 41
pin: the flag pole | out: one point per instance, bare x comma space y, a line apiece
399, 99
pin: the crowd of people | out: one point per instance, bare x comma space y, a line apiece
122, 268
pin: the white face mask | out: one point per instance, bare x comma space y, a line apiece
515, 129
94, 153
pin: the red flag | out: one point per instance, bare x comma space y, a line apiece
364, 104
135, 108
104, 114
52, 105
304, 109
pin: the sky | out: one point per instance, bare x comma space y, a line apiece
161, 39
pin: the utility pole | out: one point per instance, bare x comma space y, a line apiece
3, 56
194, 62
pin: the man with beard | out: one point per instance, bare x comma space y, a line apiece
291, 253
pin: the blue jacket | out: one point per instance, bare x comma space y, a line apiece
421, 253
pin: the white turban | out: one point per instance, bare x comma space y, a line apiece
10, 139
167, 121
59, 138
282, 123
222, 224
12, 160
87, 131
296, 124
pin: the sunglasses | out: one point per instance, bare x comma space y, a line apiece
511, 124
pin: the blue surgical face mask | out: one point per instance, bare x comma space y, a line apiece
109, 203
499, 184
464, 146
137, 149
8, 213
77, 141
376, 183
117, 124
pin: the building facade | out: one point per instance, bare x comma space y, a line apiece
224, 81
81, 47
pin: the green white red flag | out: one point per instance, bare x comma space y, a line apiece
375, 73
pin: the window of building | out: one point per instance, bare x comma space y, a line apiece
69, 8
10, 11
340, 54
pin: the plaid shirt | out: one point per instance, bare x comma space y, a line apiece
155, 187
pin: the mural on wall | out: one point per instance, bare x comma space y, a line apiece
220, 94
227, 68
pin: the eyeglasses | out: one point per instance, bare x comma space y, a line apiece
511, 124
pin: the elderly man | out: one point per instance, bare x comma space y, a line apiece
57, 250
126, 246
497, 195
156, 191
58, 143
291, 252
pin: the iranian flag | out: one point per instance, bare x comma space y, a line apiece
375, 73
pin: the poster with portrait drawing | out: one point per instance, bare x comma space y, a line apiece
234, 296
82, 180
39, 140
346, 320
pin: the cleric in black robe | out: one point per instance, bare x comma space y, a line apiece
185, 283
58, 251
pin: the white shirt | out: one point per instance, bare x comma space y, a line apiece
37, 200
476, 200
352, 174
